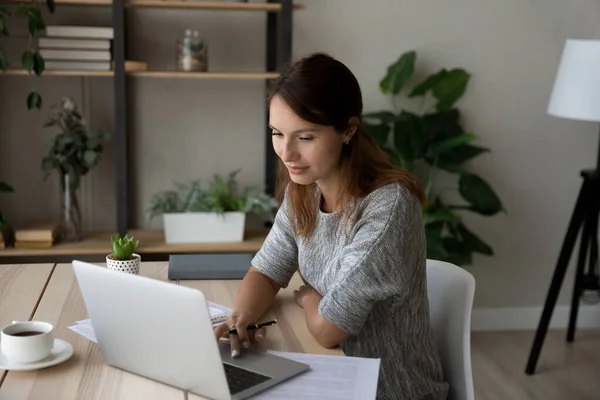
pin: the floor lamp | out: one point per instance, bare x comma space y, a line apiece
576, 95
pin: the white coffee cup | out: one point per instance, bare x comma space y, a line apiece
27, 341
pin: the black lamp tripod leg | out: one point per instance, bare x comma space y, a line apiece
577, 218
588, 236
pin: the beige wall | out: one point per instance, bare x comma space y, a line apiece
512, 49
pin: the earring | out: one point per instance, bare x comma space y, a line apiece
346, 143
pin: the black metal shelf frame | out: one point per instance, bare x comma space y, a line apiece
278, 52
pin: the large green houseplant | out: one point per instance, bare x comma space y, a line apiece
31, 59
193, 213
426, 142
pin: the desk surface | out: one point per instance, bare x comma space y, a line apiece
50, 292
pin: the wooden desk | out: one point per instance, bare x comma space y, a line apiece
86, 375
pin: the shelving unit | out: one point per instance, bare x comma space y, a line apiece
278, 51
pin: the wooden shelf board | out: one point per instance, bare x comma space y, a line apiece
205, 75
58, 73
70, 2
155, 74
151, 241
209, 5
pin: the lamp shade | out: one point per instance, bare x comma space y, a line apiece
576, 92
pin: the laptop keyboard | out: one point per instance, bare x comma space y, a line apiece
240, 379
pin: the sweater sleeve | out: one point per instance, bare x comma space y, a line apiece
278, 256
388, 244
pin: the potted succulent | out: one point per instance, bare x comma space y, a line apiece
123, 257
217, 213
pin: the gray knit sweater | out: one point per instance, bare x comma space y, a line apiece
373, 283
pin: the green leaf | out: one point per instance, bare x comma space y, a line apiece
441, 216
442, 125
28, 60
460, 154
90, 157
474, 243
379, 132
453, 142
51, 5
5, 187
398, 73
4, 12
36, 22
435, 244
428, 83
449, 89
409, 139
34, 100
38, 63
3, 61
482, 197
458, 252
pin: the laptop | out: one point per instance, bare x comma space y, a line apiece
163, 331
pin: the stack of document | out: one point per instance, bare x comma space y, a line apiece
218, 315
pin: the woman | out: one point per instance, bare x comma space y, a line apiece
350, 224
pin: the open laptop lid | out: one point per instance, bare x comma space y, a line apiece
153, 328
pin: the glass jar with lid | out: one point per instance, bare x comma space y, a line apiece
192, 52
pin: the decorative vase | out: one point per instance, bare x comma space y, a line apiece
70, 212
131, 266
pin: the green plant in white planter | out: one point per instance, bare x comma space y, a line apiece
217, 213
123, 257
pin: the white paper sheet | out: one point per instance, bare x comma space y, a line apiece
218, 314
329, 378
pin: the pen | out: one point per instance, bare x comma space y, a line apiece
252, 327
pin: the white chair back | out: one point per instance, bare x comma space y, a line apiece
450, 292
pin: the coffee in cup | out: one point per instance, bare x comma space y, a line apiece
27, 341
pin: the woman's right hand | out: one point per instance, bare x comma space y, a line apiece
243, 336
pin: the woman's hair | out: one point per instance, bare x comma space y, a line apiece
321, 90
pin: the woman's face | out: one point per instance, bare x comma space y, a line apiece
310, 152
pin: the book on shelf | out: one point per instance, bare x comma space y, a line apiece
84, 32
73, 65
70, 43
39, 232
85, 48
79, 55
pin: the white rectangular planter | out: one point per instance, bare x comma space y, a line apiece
203, 227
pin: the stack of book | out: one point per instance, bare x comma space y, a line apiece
43, 234
77, 48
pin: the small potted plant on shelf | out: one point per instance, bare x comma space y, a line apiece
217, 213
123, 257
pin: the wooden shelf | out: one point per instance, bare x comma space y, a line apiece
57, 73
194, 4
155, 74
69, 2
209, 5
151, 242
205, 75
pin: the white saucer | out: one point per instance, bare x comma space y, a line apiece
61, 351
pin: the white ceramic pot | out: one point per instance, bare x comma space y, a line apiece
127, 266
203, 227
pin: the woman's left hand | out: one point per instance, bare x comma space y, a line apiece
302, 292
